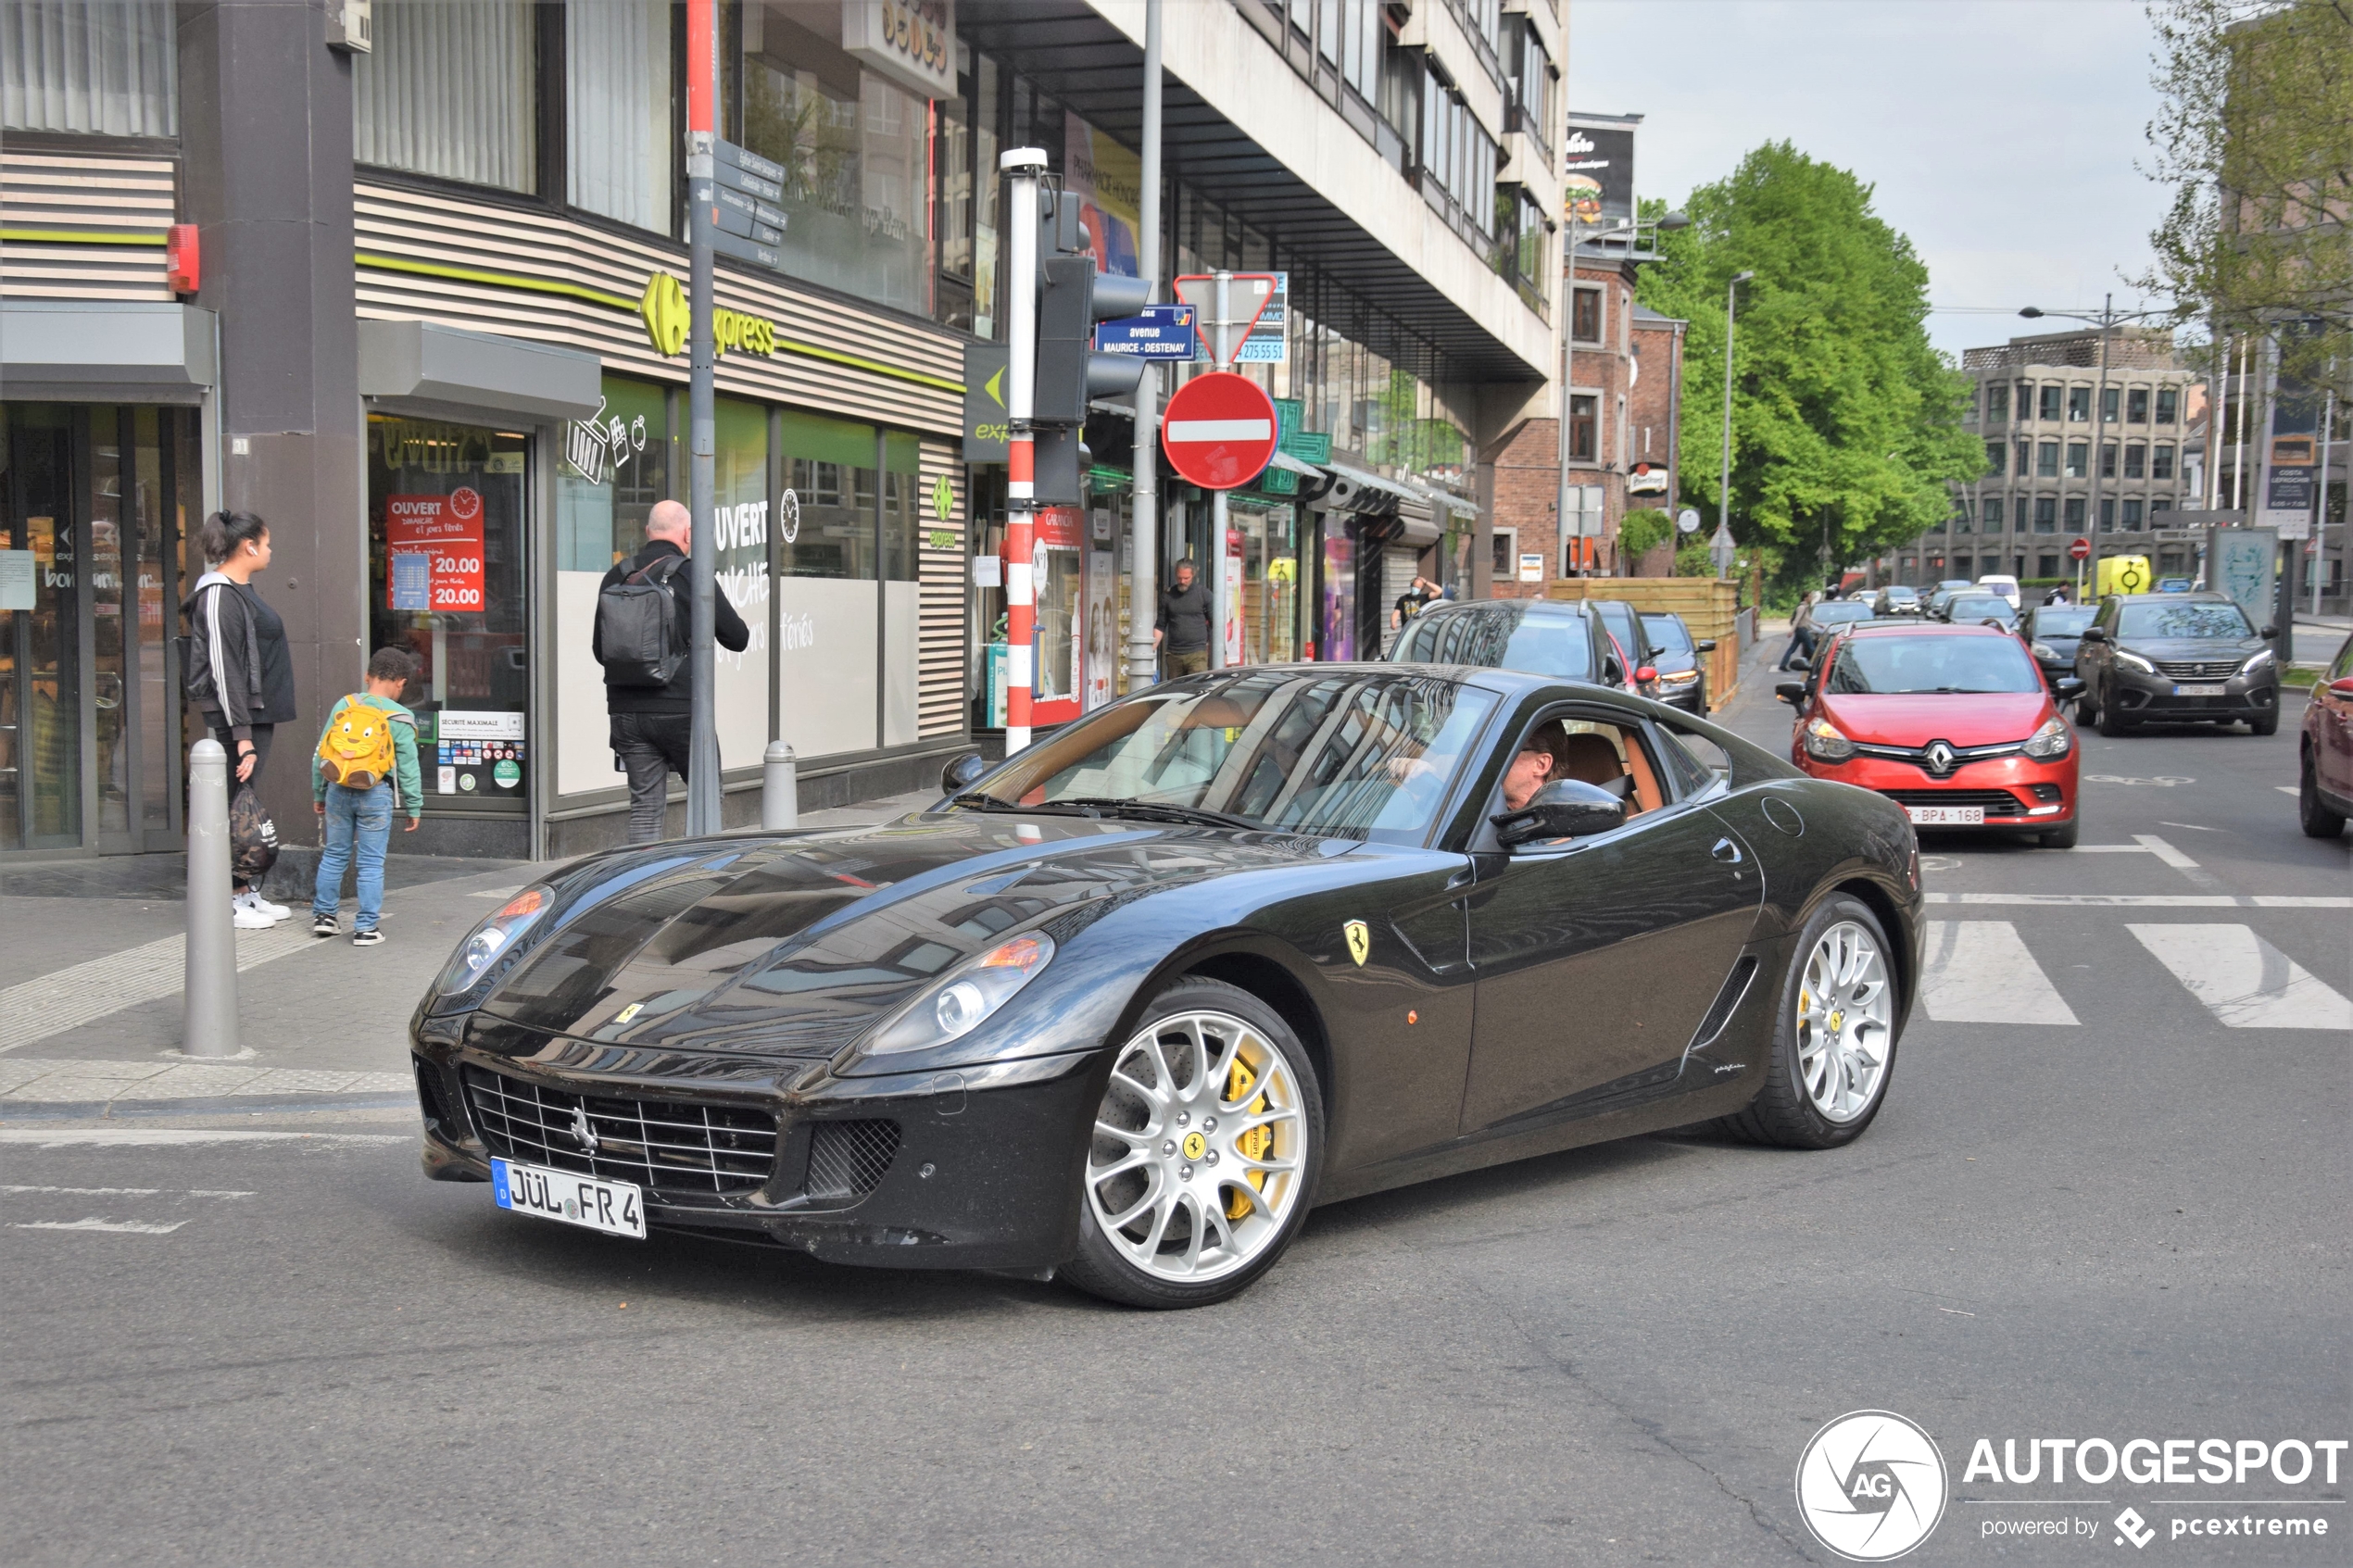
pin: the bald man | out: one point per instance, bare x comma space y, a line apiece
653, 726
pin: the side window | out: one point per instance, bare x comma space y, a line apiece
1598, 752
1699, 761
2344, 665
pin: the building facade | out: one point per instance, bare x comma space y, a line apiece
420, 306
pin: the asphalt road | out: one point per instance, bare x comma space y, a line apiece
2108, 1199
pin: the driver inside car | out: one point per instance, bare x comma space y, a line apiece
1552, 751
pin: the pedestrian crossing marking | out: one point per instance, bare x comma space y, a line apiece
2151, 900
2244, 982
1980, 971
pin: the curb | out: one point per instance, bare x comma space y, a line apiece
115, 1109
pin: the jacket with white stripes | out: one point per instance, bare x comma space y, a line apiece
238, 669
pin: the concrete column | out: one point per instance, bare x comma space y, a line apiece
264, 116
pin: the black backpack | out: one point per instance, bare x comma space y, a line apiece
638, 629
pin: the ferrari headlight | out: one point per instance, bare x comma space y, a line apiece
1825, 743
2134, 661
956, 1007
2257, 662
2052, 740
2044, 652
491, 938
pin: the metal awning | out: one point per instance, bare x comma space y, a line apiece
1375, 482
1283, 460
105, 351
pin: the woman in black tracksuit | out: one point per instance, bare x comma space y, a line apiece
239, 675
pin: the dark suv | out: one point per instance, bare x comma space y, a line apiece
1540, 636
2174, 658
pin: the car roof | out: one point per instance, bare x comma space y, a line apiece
1531, 607
2203, 597
1487, 677
1924, 629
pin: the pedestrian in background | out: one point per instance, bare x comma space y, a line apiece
367, 770
1800, 632
1181, 629
651, 713
235, 667
1410, 602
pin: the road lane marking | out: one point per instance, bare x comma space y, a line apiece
2244, 982
128, 1227
67, 999
131, 1192
2192, 826
2163, 781
172, 1137
1980, 971
2287, 789
2151, 900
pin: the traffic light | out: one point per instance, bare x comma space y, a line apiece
1071, 299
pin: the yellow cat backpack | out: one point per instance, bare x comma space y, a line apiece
356, 751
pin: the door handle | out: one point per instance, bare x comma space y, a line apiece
1727, 851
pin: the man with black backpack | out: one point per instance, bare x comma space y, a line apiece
644, 608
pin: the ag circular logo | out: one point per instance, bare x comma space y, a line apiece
1872, 1486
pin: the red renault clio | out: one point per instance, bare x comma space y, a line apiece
1953, 723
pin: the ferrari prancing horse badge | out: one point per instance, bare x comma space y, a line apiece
1359, 941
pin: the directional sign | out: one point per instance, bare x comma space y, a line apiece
1163, 331
1219, 430
2080, 551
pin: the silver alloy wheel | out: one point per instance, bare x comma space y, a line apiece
1843, 1027
1198, 1147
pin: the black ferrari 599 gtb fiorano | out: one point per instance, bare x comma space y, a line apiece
1126, 1005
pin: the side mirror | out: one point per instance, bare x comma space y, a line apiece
1790, 692
1646, 675
1801, 663
1707, 645
2270, 631
1563, 809
962, 773
1613, 672
2066, 688
2093, 634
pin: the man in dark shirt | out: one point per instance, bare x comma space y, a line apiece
1182, 630
653, 726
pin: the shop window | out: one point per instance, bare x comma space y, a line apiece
446, 573
830, 527
615, 466
856, 152
96, 68
448, 91
618, 114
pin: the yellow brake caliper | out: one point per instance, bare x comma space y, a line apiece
1251, 1145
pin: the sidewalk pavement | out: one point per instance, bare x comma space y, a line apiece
91, 977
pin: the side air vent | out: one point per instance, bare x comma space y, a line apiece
849, 1159
1727, 1001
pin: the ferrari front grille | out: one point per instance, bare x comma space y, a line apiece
1997, 802
675, 1148
849, 1159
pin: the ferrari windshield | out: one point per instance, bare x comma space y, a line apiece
1351, 753
1931, 663
2198, 619
1501, 638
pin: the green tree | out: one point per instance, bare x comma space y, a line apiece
1638, 531
1846, 432
2255, 135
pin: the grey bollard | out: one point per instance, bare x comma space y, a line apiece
209, 1026
779, 788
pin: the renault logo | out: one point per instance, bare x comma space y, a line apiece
1939, 756
581, 1129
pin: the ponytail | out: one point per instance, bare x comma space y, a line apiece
223, 531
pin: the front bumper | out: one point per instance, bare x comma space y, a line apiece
2139, 695
977, 1168
2017, 792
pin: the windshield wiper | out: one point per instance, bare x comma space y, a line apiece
1195, 815
980, 802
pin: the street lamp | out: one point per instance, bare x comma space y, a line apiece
2107, 320
1724, 484
1568, 337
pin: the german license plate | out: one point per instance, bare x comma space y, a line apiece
2201, 691
1946, 816
614, 1208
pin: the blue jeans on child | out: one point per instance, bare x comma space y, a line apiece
362, 817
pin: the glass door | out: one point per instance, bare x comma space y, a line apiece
40, 635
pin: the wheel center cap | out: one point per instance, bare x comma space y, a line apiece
1195, 1146
1837, 1020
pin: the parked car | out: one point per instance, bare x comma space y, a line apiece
1626, 625
1837, 612
2176, 659
1565, 641
1680, 660
1944, 593
1953, 723
2325, 792
1125, 1007
1976, 610
1998, 583
2051, 634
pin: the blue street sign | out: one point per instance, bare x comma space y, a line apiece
1163, 331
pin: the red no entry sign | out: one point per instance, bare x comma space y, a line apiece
1219, 430
2080, 551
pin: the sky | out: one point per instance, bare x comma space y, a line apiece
2003, 136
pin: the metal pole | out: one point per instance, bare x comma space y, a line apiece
1569, 385
1215, 565
1024, 164
2320, 501
779, 787
702, 53
1143, 588
2099, 436
1724, 482
2238, 446
209, 983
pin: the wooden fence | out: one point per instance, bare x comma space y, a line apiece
1708, 606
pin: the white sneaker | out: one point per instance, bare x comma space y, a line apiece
246, 918
253, 900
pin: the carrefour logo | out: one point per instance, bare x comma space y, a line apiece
668, 316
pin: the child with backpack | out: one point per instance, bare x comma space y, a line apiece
366, 767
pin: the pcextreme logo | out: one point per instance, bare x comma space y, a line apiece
667, 316
1872, 1486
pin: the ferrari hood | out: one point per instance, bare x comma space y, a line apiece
1916, 717
796, 946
